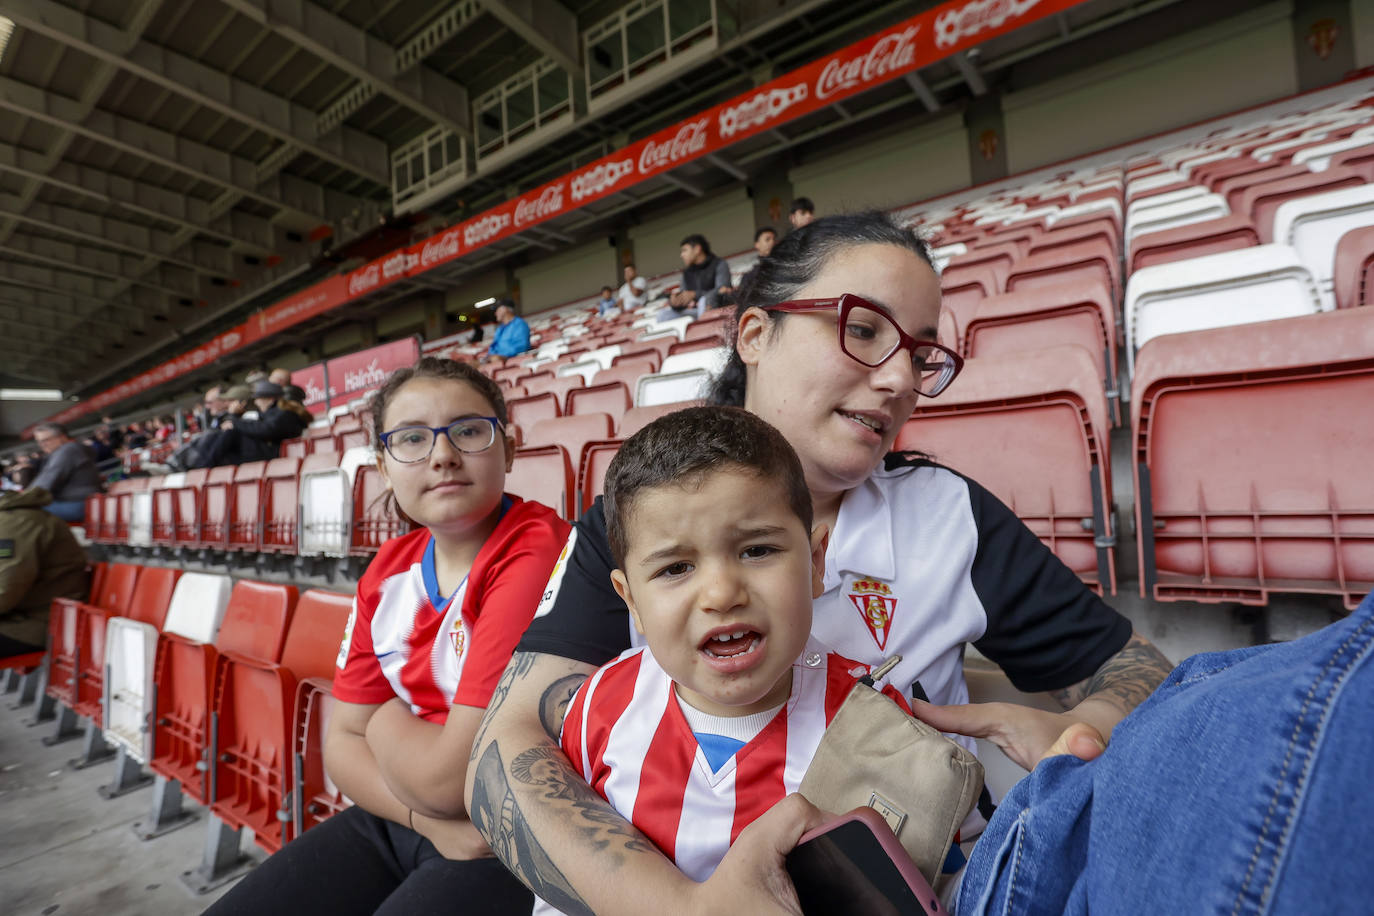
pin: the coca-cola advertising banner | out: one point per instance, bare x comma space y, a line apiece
356, 373
311, 380
896, 51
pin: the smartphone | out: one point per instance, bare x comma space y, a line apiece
855, 865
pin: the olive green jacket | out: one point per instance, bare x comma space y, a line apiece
39, 560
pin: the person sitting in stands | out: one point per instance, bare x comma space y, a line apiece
606, 303
803, 212
69, 473
631, 294
512, 337
39, 560
705, 278
764, 239
280, 377
243, 439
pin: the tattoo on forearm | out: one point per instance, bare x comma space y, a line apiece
497, 815
553, 705
546, 768
1124, 680
519, 666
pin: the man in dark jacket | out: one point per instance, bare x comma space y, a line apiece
260, 439
39, 561
69, 473
705, 278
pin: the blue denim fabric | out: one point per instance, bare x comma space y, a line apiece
71, 510
1241, 786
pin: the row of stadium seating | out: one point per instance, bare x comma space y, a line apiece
220, 688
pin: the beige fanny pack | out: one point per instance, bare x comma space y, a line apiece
874, 754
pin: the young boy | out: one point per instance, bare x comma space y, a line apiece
716, 720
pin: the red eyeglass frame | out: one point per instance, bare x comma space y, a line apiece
844, 304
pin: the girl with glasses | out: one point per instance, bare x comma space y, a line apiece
834, 342
435, 619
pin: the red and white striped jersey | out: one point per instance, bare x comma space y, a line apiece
406, 640
625, 732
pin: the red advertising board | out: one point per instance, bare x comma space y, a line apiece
311, 380
357, 373
892, 53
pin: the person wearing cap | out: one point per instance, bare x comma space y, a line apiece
257, 440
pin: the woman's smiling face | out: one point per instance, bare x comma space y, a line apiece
840, 415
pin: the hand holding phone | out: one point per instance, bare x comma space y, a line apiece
855, 865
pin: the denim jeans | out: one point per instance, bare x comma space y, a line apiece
1241, 786
71, 510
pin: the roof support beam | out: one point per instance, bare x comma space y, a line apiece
918, 86
435, 33
683, 184
726, 166
62, 282
363, 57
547, 25
106, 264
234, 98
969, 71
46, 310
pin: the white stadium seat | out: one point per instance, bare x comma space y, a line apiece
1180, 213
660, 388
326, 505
1314, 225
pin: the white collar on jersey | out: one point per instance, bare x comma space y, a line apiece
862, 540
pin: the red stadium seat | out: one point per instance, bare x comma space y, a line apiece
350, 439
691, 346
571, 432
373, 521
591, 471
245, 505
254, 626
558, 387
148, 603
646, 350
528, 411
1223, 517
1262, 200
611, 398
1034, 432
186, 508
1194, 240
711, 329
280, 495
628, 372
294, 448
1354, 277
1085, 261
254, 703
214, 509
315, 795
123, 492
543, 474
636, 418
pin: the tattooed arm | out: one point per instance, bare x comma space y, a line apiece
1027, 735
568, 844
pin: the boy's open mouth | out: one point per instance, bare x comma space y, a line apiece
727, 644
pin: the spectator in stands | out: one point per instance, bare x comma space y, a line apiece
39, 560
435, 619
764, 240
280, 377
705, 278
607, 302
212, 408
68, 473
632, 293
116, 433
99, 446
237, 400
832, 346
135, 436
244, 439
252, 378
1226, 781
803, 212
512, 335
165, 429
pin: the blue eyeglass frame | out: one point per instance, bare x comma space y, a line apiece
496, 426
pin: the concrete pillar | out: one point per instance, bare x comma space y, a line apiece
987, 139
771, 191
367, 329
1323, 41
436, 317
622, 250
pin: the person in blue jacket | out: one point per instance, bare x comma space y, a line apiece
512, 335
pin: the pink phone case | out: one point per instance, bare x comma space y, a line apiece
920, 888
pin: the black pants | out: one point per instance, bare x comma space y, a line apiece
356, 862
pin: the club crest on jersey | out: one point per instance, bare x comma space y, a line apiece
874, 602
458, 638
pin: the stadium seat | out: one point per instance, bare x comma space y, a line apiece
709, 329
636, 418
1234, 287
528, 411
653, 350
571, 432
1034, 432
1353, 283
186, 508
213, 531
1180, 213
254, 703
294, 448
1194, 240
591, 470
543, 474
629, 373
611, 398
130, 653
163, 533
253, 625
670, 388
315, 795
1318, 157
351, 438
1088, 261
1262, 201
245, 505
1251, 460
326, 503
373, 520
141, 516
280, 503
1314, 226
68, 639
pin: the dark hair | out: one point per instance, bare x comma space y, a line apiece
607, 289
508, 303
686, 445
796, 260
696, 238
433, 367
803, 204
758, 233
51, 426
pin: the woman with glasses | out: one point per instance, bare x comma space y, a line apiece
834, 344
435, 619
